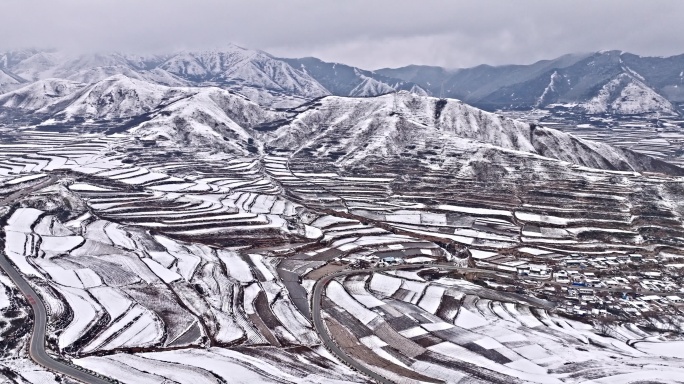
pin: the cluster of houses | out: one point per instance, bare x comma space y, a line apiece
628, 284
584, 301
603, 285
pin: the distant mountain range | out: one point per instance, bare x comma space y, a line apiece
609, 82
255, 74
602, 82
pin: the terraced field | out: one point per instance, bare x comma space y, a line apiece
162, 263
412, 327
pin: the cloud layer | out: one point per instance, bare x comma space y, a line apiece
369, 34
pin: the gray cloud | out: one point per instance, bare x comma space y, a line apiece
369, 34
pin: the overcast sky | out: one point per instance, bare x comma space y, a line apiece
367, 33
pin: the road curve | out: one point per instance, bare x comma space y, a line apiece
323, 331
37, 343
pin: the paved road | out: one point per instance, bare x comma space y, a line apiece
37, 344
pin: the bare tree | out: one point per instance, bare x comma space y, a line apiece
605, 325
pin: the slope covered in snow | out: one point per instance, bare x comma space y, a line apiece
196, 116
31, 65
210, 118
9, 81
609, 82
41, 95
345, 80
569, 79
344, 130
628, 95
119, 96
87, 68
244, 67
351, 130
370, 87
253, 73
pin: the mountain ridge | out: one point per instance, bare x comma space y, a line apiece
657, 85
351, 130
522, 86
342, 130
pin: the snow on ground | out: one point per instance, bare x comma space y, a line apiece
451, 349
60, 244
86, 313
387, 285
22, 220
480, 254
65, 277
166, 275
258, 261
23, 370
534, 251
295, 322
26, 178
113, 301
468, 319
476, 211
662, 348
336, 292
432, 298
536, 218
194, 366
16, 249
87, 187
237, 268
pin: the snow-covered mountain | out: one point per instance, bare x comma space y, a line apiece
609, 82
180, 216
119, 97
352, 130
340, 129
628, 95
344, 80
115, 97
252, 73
211, 118
41, 96
236, 65
196, 116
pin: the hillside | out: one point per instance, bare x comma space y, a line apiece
339, 129
253, 73
352, 130
344, 80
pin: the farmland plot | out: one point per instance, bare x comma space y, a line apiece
126, 289
461, 334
